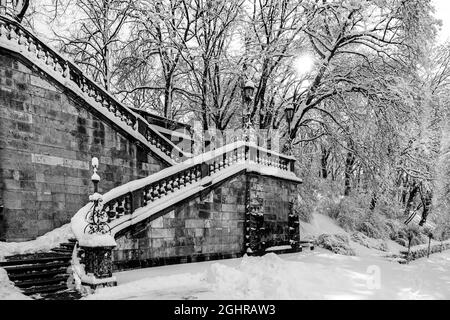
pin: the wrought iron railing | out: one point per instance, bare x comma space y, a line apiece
24, 41
216, 161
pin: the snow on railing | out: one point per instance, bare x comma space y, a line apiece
16, 37
140, 199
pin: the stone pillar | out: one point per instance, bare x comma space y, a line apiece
98, 261
98, 244
98, 267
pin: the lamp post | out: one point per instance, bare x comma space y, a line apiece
247, 93
95, 178
289, 114
97, 218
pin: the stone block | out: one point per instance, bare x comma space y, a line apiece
162, 233
229, 208
194, 223
199, 232
157, 223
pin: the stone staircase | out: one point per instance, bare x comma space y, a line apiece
42, 275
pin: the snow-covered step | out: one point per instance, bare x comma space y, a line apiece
57, 279
37, 274
282, 249
307, 244
42, 275
44, 289
35, 260
36, 266
62, 250
68, 245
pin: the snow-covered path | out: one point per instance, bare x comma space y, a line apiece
316, 274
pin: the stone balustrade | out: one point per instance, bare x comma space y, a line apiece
126, 204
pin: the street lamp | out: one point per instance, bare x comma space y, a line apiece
247, 93
95, 178
289, 114
249, 89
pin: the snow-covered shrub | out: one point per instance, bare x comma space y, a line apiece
421, 251
303, 207
373, 226
337, 243
393, 227
306, 200
399, 233
362, 239
442, 231
345, 210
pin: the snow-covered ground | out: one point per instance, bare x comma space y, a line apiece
317, 274
7, 289
309, 275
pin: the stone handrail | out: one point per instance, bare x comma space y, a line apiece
19, 38
126, 202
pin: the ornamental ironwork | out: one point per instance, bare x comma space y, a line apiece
96, 217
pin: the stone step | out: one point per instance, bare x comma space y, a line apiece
68, 245
62, 295
37, 274
41, 282
307, 244
44, 289
38, 266
35, 260
63, 251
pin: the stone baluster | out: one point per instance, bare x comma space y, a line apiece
12, 33
3, 31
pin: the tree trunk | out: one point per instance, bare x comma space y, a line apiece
349, 161
373, 202
324, 162
412, 194
167, 101
427, 199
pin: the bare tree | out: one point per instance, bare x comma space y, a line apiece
95, 35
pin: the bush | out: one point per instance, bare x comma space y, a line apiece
346, 211
362, 239
304, 208
373, 226
337, 243
399, 232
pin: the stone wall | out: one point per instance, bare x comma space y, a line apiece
47, 141
273, 195
208, 227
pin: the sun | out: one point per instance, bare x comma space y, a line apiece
303, 64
